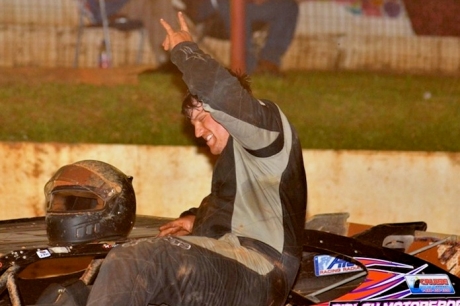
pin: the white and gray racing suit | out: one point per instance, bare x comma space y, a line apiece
246, 243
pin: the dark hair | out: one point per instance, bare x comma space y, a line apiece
191, 101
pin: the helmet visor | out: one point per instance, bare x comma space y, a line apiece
75, 188
68, 200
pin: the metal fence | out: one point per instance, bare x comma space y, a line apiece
331, 34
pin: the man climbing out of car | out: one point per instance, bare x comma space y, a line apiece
243, 244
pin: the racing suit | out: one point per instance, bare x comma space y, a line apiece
246, 243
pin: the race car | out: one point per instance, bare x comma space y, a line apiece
336, 270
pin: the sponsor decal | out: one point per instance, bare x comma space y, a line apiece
429, 284
329, 265
411, 302
43, 253
109, 245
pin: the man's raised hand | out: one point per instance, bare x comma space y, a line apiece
174, 37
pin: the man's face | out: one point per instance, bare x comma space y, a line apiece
215, 135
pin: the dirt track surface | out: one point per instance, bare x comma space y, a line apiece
95, 76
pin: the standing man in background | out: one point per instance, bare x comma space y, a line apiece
277, 17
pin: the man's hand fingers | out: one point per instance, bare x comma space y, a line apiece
173, 231
167, 231
182, 22
167, 27
168, 226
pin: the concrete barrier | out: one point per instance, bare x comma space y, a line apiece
373, 186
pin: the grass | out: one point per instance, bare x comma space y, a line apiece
331, 110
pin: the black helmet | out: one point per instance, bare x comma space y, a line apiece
87, 201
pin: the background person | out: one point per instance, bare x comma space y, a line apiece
147, 11
280, 17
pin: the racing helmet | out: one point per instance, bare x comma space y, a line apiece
87, 201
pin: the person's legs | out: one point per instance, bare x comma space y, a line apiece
224, 9
175, 272
281, 17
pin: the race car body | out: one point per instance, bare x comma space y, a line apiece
375, 267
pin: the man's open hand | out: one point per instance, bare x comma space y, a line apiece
179, 227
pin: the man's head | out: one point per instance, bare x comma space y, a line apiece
214, 134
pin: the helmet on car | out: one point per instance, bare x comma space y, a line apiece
88, 201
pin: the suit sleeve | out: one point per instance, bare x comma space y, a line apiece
253, 123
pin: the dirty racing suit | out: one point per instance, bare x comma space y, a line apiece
246, 242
